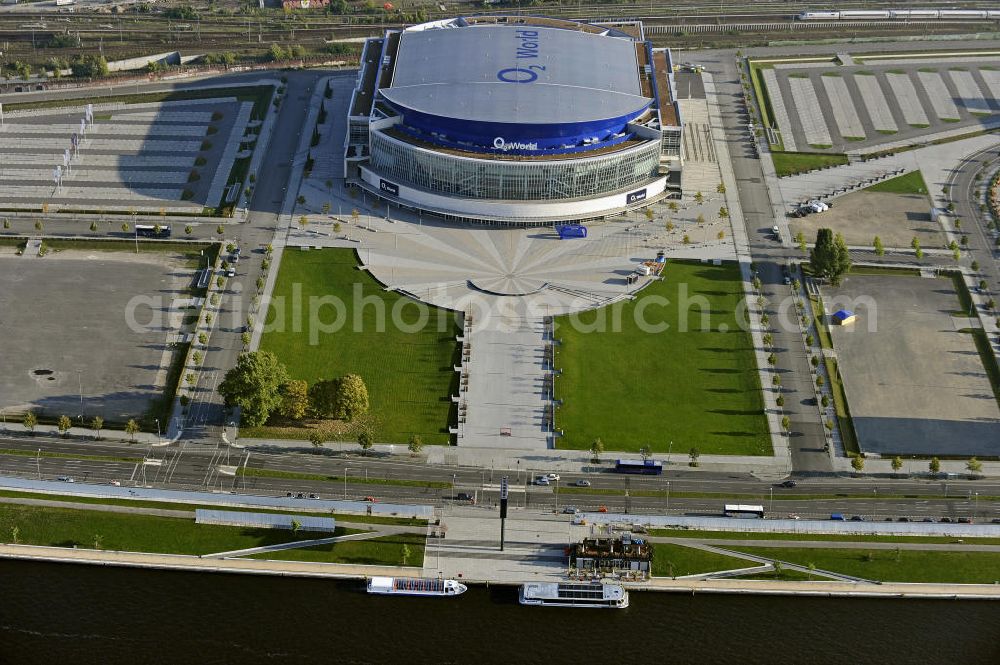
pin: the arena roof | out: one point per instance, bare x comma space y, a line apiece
567, 76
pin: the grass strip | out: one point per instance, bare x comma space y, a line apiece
793, 163
893, 565
254, 472
909, 183
65, 527
400, 549
850, 538
94, 458
167, 505
677, 560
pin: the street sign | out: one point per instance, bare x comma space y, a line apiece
504, 488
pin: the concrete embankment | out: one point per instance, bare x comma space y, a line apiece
344, 571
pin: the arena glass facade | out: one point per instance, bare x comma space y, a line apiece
410, 163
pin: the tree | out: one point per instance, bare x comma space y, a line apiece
415, 444
800, 240
188, 229
89, 66
897, 464
858, 463
97, 424
131, 428
720, 188
296, 527
254, 385
316, 438
723, 212
294, 399
974, 465
645, 453
596, 448
829, 258
404, 554
276, 53
934, 465
323, 398
694, 455
780, 400
779, 569
29, 421
786, 423
365, 440
699, 197
303, 221
879, 249
700, 219
64, 425
352, 397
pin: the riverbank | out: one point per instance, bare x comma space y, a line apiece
824, 588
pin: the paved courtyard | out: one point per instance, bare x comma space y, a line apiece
171, 155
915, 384
68, 349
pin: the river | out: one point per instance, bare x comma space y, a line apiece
54, 613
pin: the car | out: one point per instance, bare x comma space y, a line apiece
553, 477
463, 496
300, 495
837, 516
541, 480
313, 495
236, 251
289, 494
116, 483
65, 479
370, 499
602, 509
964, 520
234, 258
857, 518
903, 519
927, 519
570, 510
582, 483
995, 520
945, 520
776, 231
788, 483
230, 272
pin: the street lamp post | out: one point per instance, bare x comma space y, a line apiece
38, 463
770, 505
668, 496
159, 437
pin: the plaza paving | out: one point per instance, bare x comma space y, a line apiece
914, 383
871, 102
68, 348
170, 156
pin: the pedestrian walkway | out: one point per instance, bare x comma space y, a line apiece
295, 544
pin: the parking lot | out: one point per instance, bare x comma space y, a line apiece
895, 218
914, 383
874, 101
169, 155
68, 348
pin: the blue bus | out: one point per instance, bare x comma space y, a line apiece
567, 231
647, 467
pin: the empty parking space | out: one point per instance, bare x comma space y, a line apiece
843, 109
810, 112
941, 99
69, 348
875, 103
915, 382
969, 94
907, 99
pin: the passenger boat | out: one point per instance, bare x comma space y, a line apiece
574, 594
415, 586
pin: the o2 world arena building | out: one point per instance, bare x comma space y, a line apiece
514, 119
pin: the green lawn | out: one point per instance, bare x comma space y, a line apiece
66, 527
677, 561
882, 565
167, 505
910, 183
857, 538
694, 383
409, 375
381, 551
792, 163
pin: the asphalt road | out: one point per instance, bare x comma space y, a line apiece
197, 467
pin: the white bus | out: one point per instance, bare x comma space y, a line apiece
748, 512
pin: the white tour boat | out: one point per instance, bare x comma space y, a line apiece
574, 594
415, 586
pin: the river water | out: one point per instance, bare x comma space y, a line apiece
54, 613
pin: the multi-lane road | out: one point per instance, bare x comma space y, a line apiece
322, 472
